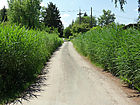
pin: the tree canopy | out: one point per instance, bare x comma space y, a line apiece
87, 20
24, 12
75, 28
121, 2
106, 18
67, 32
51, 18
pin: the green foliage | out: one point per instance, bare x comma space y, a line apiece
51, 18
3, 15
87, 20
122, 3
67, 32
75, 28
24, 12
23, 54
117, 50
79, 28
85, 14
71, 37
106, 18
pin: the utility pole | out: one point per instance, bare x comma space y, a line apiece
91, 19
72, 22
80, 16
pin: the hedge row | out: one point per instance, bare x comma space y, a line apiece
117, 50
23, 54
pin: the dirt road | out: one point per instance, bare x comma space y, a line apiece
73, 81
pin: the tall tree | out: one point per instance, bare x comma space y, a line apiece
52, 18
3, 14
106, 18
24, 12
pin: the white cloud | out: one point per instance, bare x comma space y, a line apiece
136, 10
65, 19
65, 23
42, 4
65, 16
3, 3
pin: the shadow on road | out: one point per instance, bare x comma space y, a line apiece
32, 91
136, 95
132, 91
36, 87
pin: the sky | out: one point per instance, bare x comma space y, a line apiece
70, 8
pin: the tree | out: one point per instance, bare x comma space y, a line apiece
87, 20
75, 28
106, 18
80, 28
85, 14
24, 12
122, 3
51, 18
3, 15
67, 32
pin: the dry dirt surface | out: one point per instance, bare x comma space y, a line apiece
74, 81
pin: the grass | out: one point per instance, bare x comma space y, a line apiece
117, 50
23, 54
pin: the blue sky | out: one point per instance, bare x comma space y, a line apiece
70, 8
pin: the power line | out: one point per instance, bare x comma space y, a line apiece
70, 11
128, 18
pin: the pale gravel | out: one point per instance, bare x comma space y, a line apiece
73, 81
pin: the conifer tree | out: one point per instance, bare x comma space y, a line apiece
3, 14
52, 18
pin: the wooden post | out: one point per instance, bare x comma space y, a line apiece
80, 16
91, 25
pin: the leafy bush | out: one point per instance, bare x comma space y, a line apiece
67, 32
75, 28
23, 54
79, 28
117, 50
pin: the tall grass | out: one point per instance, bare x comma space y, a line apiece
23, 54
117, 50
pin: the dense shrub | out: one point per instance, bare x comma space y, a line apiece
79, 28
23, 54
67, 32
117, 50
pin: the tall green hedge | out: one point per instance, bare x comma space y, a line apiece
23, 54
117, 50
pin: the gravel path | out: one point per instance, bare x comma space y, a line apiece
73, 81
